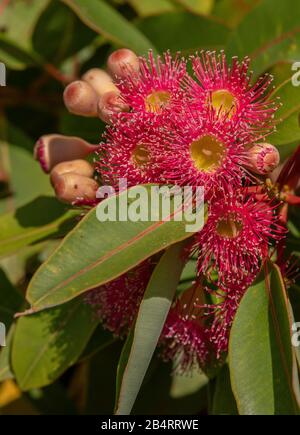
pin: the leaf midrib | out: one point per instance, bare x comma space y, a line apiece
100, 261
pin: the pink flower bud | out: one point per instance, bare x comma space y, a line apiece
72, 188
122, 61
79, 167
100, 81
263, 158
52, 149
110, 104
81, 99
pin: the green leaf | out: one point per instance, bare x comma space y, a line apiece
142, 340
5, 356
147, 8
99, 341
17, 24
223, 401
10, 300
103, 19
88, 129
186, 384
14, 56
188, 275
164, 392
201, 7
26, 179
270, 33
202, 32
42, 218
23, 17
59, 33
261, 359
47, 343
232, 12
294, 293
97, 252
288, 128
99, 381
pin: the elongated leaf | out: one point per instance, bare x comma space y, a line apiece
163, 392
201, 7
294, 294
232, 12
21, 16
187, 384
261, 360
97, 252
100, 379
47, 343
142, 340
5, 354
15, 56
202, 32
40, 219
269, 33
26, 180
17, 24
10, 300
147, 8
99, 341
59, 33
288, 128
102, 18
224, 401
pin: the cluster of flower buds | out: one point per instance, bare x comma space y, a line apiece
95, 95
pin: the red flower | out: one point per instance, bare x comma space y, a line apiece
130, 150
236, 236
156, 88
228, 89
117, 302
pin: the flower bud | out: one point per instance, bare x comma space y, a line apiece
100, 81
72, 188
52, 149
79, 167
122, 61
110, 104
263, 158
81, 99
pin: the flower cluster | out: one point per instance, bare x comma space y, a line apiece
207, 130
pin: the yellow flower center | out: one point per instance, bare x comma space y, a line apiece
229, 226
157, 101
141, 155
224, 102
207, 153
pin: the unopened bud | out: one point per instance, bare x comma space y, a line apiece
100, 81
81, 99
79, 167
263, 158
72, 188
122, 61
110, 104
52, 149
